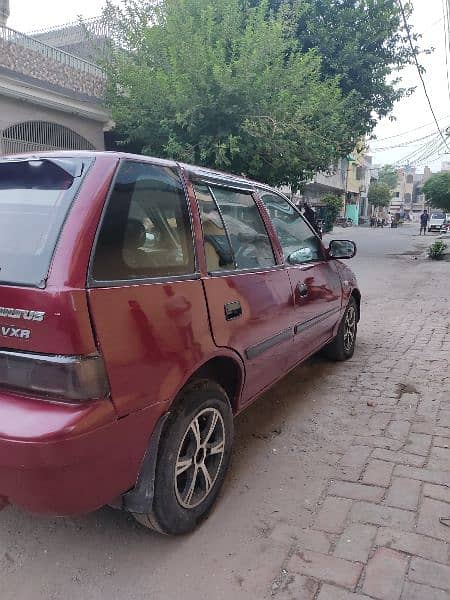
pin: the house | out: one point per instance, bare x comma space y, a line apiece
49, 99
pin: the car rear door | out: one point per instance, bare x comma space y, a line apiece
316, 285
146, 298
249, 295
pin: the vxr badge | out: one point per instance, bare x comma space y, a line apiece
15, 332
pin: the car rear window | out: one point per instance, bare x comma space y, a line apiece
438, 216
35, 197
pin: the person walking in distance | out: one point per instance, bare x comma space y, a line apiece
424, 217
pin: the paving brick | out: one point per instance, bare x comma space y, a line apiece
431, 429
355, 456
298, 587
439, 459
438, 492
442, 431
327, 568
415, 591
378, 441
428, 475
428, 522
378, 472
385, 574
412, 543
330, 592
398, 430
441, 442
332, 515
355, 543
403, 458
403, 493
430, 573
356, 491
311, 539
379, 421
349, 473
418, 443
443, 419
365, 512
422, 428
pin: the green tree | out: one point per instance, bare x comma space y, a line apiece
334, 205
388, 176
437, 191
379, 194
363, 42
223, 85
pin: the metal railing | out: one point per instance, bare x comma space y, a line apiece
95, 25
12, 36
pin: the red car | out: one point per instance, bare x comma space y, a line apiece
144, 303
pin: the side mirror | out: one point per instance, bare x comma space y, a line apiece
341, 249
300, 256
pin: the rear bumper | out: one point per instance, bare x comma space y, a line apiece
67, 460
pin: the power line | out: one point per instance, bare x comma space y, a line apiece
419, 71
403, 144
391, 137
446, 22
419, 152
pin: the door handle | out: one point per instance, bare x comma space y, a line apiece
233, 310
301, 290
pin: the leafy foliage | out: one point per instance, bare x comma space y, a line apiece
273, 89
388, 176
379, 194
437, 249
363, 42
437, 191
334, 206
224, 85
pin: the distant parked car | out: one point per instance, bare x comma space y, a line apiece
144, 303
436, 221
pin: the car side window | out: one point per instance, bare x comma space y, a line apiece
218, 252
146, 229
247, 233
293, 232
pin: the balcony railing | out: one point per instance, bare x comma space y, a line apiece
11, 36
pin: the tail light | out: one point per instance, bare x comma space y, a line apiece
63, 378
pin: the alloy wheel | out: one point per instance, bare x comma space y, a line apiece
199, 458
349, 328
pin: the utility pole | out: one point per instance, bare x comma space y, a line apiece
4, 11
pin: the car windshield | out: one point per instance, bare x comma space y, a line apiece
438, 216
35, 197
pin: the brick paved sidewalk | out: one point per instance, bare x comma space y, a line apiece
376, 533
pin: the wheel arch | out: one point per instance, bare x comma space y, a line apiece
225, 371
356, 294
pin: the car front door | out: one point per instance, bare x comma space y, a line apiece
316, 286
249, 295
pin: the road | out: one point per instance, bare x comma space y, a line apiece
289, 449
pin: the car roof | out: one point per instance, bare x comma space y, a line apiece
195, 171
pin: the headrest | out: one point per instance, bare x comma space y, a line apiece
134, 235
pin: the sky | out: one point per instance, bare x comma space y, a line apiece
413, 118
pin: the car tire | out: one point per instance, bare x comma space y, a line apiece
342, 347
193, 457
